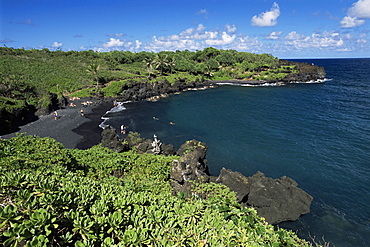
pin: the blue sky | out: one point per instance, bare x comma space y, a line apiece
284, 28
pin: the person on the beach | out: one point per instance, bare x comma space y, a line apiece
123, 129
82, 112
55, 115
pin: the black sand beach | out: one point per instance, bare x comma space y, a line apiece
71, 129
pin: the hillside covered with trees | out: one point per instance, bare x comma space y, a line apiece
33, 82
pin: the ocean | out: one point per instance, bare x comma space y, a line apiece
316, 133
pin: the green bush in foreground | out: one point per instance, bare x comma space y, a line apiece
51, 196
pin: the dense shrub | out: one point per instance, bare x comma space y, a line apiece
51, 196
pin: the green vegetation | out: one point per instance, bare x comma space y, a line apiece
29, 75
51, 196
31, 79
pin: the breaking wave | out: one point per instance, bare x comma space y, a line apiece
119, 107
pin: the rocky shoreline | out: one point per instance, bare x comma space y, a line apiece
277, 200
137, 91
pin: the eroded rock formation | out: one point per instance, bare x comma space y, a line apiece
277, 200
192, 166
111, 141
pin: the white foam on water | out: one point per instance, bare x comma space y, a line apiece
249, 84
312, 81
103, 125
119, 107
274, 84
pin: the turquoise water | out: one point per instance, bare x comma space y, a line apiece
317, 134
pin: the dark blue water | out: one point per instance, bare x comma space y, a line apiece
317, 134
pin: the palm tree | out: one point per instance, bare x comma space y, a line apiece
161, 61
171, 63
149, 62
94, 69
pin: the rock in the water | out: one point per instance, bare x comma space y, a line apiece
236, 182
168, 149
277, 200
192, 166
144, 146
111, 141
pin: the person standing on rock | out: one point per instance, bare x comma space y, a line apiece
123, 129
55, 115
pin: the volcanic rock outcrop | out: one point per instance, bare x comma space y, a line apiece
277, 200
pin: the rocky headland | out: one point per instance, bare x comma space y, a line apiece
277, 200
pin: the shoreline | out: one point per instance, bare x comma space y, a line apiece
75, 131
71, 129
90, 131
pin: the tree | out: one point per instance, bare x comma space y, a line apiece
93, 69
149, 63
210, 53
227, 57
184, 64
213, 64
171, 63
161, 61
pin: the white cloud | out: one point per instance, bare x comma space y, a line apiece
202, 12
193, 39
294, 36
200, 28
290, 44
348, 22
247, 44
344, 49
347, 36
360, 10
137, 44
116, 35
56, 45
230, 28
316, 40
113, 43
274, 35
187, 32
117, 44
225, 40
174, 37
211, 35
163, 43
268, 18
